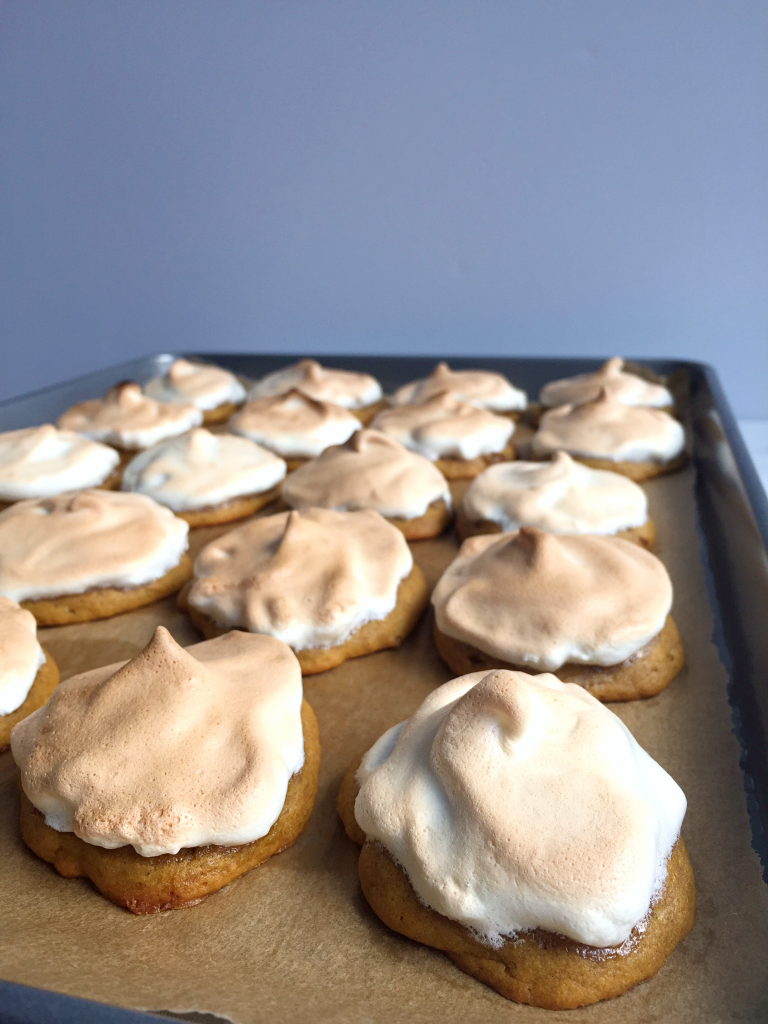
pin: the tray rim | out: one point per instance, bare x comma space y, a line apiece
23, 1003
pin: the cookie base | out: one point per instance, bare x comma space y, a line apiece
237, 508
539, 968
104, 602
220, 414
637, 471
468, 469
436, 519
644, 674
43, 685
644, 535
147, 885
412, 599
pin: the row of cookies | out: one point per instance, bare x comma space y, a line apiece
288, 542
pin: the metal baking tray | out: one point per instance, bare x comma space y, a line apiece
732, 525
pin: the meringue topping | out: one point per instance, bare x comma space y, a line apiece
201, 469
481, 388
39, 462
128, 419
370, 471
605, 428
516, 802
73, 542
627, 388
294, 425
199, 384
341, 387
310, 578
540, 600
21, 656
176, 748
559, 496
445, 427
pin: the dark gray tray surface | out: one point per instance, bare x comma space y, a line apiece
733, 527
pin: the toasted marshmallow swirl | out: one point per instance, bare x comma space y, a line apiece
516, 802
173, 749
68, 544
20, 655
128, 419
341, 387
445, 427
294, 425
481, 388
538, 600
370, 471
198, 384
560, 496
39, 462
201, 469
627, 388
308, 578
605, 428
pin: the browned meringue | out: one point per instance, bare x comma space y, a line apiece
20, 655
308, 578
605, 428
627, 388
481, 388
73, 542
341, 387
175, 748
198, 384
126, 418
538, 599
445, 427
294, 425
370, 471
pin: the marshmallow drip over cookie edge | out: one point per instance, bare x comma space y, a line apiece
515, 802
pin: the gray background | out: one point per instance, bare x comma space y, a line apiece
582, 177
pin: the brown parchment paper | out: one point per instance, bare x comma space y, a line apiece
293, 940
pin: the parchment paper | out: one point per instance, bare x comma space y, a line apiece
293, 940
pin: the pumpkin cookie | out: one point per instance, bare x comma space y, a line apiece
207, 478
90, 555
163, 817
612, 377
373, 471
515, 823
28, 675
216, 392
593, 610
559, 496
360, 592
359, 392
460, 439
481, 388
636, 441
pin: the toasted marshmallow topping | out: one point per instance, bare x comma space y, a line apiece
370, 471
341, 387
627, 388
516, 802
539, 600
605, 428
20, 655
174, 749
294, 425
445, 427
201, 469
198, 384
560, 496
127, 419
73, 542
481, 388
308, 578
39, 462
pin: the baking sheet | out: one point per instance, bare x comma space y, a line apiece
293, 940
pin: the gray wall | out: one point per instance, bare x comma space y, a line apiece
497, 176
